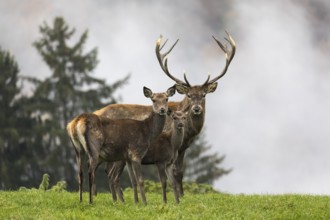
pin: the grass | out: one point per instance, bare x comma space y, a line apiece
36, 204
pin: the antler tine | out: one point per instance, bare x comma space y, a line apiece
162, 59
228, 54
207, 80
169, 51
161, 47
185, 79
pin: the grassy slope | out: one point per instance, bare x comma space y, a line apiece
34, 204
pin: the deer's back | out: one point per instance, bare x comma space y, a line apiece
125, 111
129, 111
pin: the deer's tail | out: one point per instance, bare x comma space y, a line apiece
79, 129
76, 130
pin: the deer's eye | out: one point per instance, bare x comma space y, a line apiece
204, 94
188, 95
166, 100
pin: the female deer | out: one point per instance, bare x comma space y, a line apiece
105, 139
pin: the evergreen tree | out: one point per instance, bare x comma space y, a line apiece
15, 126
70, 90
201, 166
9, 133
8, 92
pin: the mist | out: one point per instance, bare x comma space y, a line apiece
276, 101
269, 114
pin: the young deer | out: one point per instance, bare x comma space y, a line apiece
105, 139
194, 101
162, 152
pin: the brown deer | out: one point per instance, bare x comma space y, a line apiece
162, 152
194, 101
105, 139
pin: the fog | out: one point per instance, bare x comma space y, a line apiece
269, 114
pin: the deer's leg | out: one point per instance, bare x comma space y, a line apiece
119, 168
119, 191
93, 163
114, 172
178, 173
94, 185
162, 177
133, 181
138, 174
80, 173
109, 171
174, 184
113, 191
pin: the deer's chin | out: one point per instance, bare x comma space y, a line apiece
180, 128
162, 113
197, 112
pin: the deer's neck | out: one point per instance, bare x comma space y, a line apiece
155, 124
195, 123
176, 138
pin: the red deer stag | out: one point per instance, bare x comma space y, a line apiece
194, 101
162, 152
105, 139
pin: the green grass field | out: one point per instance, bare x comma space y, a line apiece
36, 204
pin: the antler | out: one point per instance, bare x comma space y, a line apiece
228, 53
162, 59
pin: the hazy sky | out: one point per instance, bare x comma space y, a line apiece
270, 113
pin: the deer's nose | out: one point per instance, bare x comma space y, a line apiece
180, 125
197, 109
162, 111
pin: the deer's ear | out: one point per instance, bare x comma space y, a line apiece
181, 89
171, 91
211, 87
147, 92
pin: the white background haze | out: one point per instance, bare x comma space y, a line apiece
270, 112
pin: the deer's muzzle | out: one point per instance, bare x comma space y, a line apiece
162, 111
180, 125
197, 109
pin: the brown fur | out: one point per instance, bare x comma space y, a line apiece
105, 139
194, 99
162, 152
